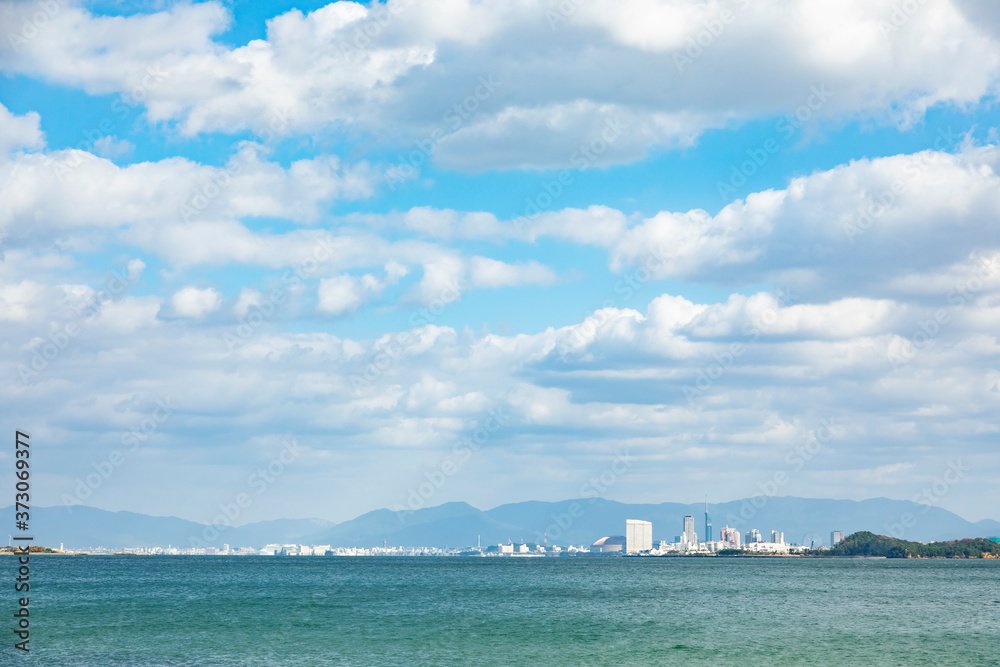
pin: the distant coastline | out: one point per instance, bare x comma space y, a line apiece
860, 545
865, 544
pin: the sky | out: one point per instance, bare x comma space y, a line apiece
277, 260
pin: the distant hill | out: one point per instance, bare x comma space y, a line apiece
92, 527
582, 521
869, 544
451, 524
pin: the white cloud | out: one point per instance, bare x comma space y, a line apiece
596, 225
415, 78
625, 383
16, 300
442, 280
191, 302
19, 131
857, 228
247, 299
162, 198
110, 147
448, 276
340, 295
486, 272
448, 224
869, 292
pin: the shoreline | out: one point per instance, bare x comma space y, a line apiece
985, 557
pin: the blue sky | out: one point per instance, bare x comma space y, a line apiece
627, 226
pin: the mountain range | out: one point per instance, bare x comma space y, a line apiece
456, 524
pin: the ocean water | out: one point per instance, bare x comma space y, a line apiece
113, 610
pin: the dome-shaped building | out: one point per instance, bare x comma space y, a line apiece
608, 544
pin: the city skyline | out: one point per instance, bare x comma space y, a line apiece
571, 522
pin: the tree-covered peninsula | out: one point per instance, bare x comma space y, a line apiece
865, 543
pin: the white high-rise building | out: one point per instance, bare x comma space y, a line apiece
689, 536
836, 537
777, 537
638, 536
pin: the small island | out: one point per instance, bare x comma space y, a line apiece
865, 544
869, 544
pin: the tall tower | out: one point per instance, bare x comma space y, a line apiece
708, 523
689, 537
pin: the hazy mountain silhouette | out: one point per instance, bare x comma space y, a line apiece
566, 522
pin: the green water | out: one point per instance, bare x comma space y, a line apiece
502, 611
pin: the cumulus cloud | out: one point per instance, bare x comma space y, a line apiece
625, 387
855, 228
191, 302
393, 73
161, 198
447, 277
341, 295
19, 131
111, 147
867, 293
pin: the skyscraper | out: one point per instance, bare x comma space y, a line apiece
730, 536
708, 523
689, 536
638, 536
836, 537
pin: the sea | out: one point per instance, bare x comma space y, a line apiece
216, 610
